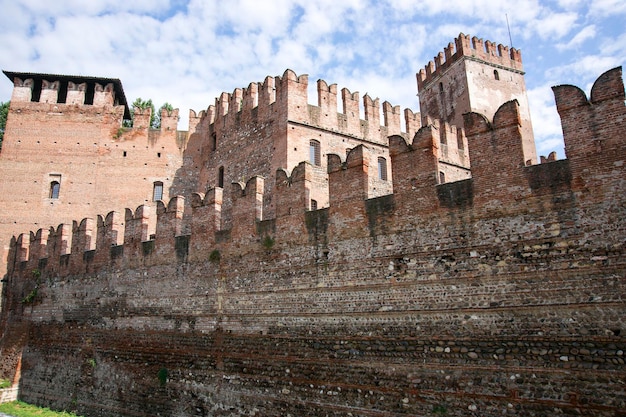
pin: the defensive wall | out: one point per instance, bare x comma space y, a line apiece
502, 294
66, 131
270, 125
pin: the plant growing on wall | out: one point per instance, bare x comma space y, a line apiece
162, 375
215, 256
268, 242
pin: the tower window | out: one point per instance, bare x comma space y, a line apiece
313, 204
442, 177
55, 187
157, 191
441, 87
382, 169
314, 153
213, 141
496, 75
220, 177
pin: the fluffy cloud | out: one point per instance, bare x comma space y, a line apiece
188, 52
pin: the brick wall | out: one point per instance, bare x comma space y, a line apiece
502, 294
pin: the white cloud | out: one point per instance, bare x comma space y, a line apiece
188, 52
586, 33
607, 7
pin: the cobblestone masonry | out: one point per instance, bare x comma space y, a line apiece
502, 294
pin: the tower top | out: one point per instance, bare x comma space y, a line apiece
88, 86
488, 52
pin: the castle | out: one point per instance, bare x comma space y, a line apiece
281, 258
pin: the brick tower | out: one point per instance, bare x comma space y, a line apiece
474, 76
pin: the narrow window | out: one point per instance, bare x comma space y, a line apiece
220, 177
213, 141
441, 87
496, 75
382, 169
442, 177
55, 187
313, 204
157, 191
314, 153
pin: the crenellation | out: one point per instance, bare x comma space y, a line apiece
327, 103
22, 90
49, 92
391, 117
247, 207
205, 222
38, 248
104, 95
413, 122
22, 245
169, 120
141, 118
495, 183
250, 97
415, 167
350, 108
324, 283
76, 93
488, 52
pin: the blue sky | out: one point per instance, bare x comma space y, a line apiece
186, 52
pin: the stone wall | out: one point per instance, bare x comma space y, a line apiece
502, 294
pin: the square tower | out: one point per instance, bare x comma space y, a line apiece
475, 76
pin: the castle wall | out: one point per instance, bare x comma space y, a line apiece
98, 164
269, 125
498, 294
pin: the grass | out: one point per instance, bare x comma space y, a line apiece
5, 383
20, 409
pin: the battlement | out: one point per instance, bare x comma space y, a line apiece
508, 186
497, 55
67, 89
514, 277
287, 95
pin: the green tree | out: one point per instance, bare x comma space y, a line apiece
155, 118
4, 111
156, 123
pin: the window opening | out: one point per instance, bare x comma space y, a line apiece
382, 169
442, 177
213, 141
55, 188
313, 204
496, 75
157, 191
314, 153
220, 177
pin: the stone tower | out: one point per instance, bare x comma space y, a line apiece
475, 76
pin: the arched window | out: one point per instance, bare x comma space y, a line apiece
55, 187
314, 153
220, 177
157, 191
313, 204
496, 75
382, 169
442, 177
